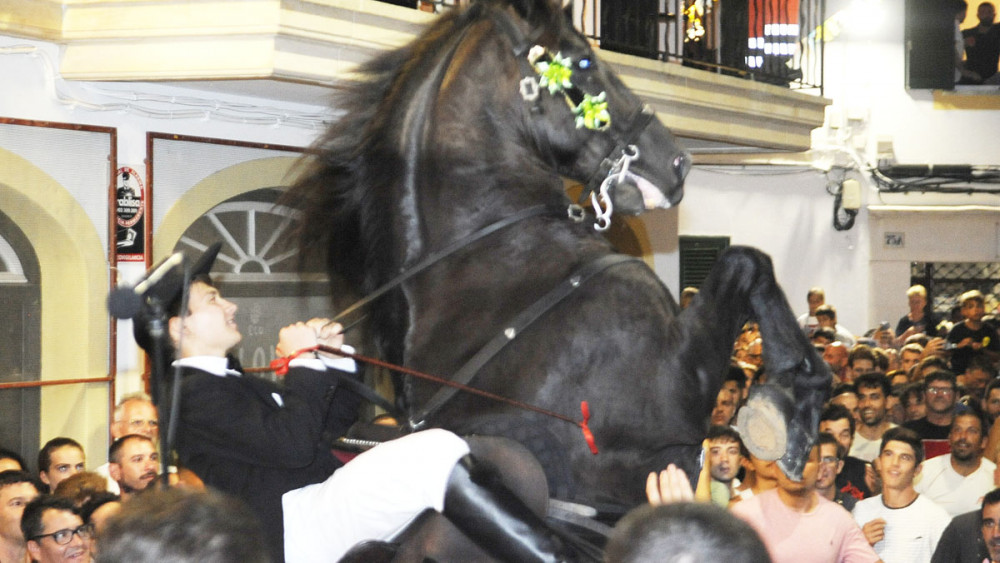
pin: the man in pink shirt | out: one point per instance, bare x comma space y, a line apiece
797, 524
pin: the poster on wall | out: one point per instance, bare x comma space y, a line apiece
130, 240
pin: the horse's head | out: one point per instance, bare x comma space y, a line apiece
594, 128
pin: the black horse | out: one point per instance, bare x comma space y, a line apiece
451, 152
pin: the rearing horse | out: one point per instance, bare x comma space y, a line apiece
460, 140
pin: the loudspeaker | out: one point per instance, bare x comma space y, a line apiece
929, 36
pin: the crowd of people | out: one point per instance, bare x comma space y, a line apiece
905, 465
904, 468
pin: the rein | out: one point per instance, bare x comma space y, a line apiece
281, 366
452, 248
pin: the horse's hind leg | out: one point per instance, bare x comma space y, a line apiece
781, 417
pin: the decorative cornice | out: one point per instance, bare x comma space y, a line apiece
317, 42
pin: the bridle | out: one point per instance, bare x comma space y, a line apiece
542, 70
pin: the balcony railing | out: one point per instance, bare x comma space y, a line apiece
773, 41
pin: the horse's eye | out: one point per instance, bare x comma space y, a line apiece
583, 64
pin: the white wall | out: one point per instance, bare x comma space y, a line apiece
790, 215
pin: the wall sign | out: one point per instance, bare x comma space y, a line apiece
130, 196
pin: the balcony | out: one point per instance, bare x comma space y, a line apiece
295, 50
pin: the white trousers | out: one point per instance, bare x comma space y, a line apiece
373, 496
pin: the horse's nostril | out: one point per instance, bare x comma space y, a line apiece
682, 165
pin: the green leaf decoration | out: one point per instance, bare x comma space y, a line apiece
592, 112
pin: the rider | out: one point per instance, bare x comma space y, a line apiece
269, 444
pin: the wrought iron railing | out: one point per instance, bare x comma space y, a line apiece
774, 41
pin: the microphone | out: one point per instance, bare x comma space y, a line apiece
126, 302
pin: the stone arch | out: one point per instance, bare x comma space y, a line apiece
217, 188
74, 286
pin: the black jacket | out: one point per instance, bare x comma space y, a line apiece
256, 440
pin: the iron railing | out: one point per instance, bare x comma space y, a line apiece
773, 41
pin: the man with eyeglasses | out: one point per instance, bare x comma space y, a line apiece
55, 532
831, 462
939, 402
957, 481
134, 414
973, 537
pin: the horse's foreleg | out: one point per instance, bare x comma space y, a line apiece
781, 417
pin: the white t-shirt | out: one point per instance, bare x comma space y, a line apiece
865, 449
911, 532
953, 492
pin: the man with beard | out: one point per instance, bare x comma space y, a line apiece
957, 481
939, 402
135, 414
901, 524
873, 392
725, 456
133, 464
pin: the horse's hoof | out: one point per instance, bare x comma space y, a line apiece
762, 422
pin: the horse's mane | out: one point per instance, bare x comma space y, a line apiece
351, 170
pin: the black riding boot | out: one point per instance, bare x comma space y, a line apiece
484, 509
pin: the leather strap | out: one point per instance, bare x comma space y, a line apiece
523, 320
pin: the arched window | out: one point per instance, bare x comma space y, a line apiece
20, 338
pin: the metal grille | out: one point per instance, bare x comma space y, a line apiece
946, 281
697, 256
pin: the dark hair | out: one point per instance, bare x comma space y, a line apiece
31, 520
974, 412
96, 501
183, 525
114, 452
45, 454
979, 360
939, 375
736, 374
827, 438
931, 363
719, 432
860, 352
993, 384
874, 380
13, 477
989, 499
907, 436
681, 532
834, 412
824, 332
826, 310
10, 454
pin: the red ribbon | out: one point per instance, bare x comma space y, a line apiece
280, 365
587, 434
